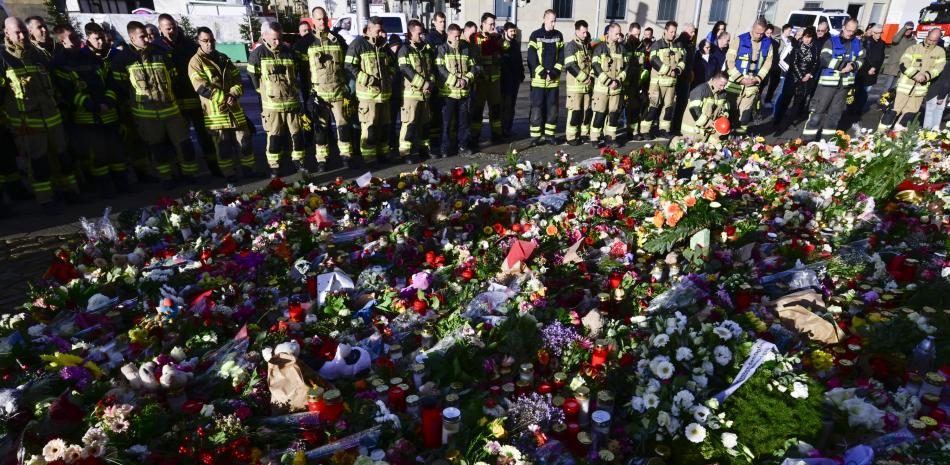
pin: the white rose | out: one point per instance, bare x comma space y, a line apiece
730, 440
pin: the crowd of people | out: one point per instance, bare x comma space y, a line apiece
85, 112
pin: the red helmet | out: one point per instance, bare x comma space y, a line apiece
722, 125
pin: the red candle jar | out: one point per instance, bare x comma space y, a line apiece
601, 351
315, 402
544, 388
743, 300
616, 278
571, 438
397, 399
431, 425
332, 406
295, 311
939, 414
522, 388
560, 380
571, 408
312, 286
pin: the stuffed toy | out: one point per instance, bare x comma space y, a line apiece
347, 363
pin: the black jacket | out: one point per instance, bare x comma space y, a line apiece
873, 58
940, 88
512, 68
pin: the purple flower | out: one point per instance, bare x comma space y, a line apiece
78, 374
556, 337
870, 297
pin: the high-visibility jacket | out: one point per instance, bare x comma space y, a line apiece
610, 64
183, 49
373, 66
704, 107
85, 83
748, 58
417, 68
453, 62
489, 49
664, 57
545, 58
577, 62
27, 95
146, 78
920, 58
834, 56
274, 74
213, 78
326, 57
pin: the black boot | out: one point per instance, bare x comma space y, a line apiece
213, 168
321, 167
354, 162
107, 188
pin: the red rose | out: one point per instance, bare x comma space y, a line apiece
192, 406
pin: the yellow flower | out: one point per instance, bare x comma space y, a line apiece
401, 185
459, 204
851, 169
497, 428
59, 360
93, 368
487, 230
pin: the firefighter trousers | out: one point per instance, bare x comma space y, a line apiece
233, 144
544, 111
578, 115
164, 137
279, 125
486, 91
904, 111
414, 132
102, 145
606, 110
374, 129
827, 105
454, 111
45, 152
742, 105
324, 113
662, 99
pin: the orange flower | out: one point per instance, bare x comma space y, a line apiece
551, 230
690, 201
658, 219
709, 194
673, 214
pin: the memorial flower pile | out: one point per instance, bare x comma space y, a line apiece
734, 304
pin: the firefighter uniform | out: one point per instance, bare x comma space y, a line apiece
610, 67
746, 58
831, 96
665, 58
545, 63
418, 70
183, 49
704, 108
145, 77
30, 105
274, 74
577, 63
487, 84
88, 91
919, 58
372, 65
454, 62
326, 56
214, 79
636, 75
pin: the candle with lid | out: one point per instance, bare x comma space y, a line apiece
397, 398
418, 374
571, 409
332, 406
601, 351
451, 423
601, 423
582, 394
560, 380
431, 424
605, 401
526, 373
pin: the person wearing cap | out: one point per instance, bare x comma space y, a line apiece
920, 65
893, 53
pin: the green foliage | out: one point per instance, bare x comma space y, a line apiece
897, 335
55, 15
187, 28
249, 27
699, 217
882, 174
518, 336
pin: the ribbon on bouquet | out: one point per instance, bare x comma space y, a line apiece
760, 352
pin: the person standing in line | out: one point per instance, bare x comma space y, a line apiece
840, 59
610, 71
803, 67
512, 75
687, 43
717, 29
667, 62
637, 74
936, 99
488, 82
874, 50
456, 71
748, 62
327, 90
577, 63
418, 71
371, 63
920, 65
40, 36
545, 63
435, 37
782, 45
900, 42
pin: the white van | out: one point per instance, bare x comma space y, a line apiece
350, 28
803, 18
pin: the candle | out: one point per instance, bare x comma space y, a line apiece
544, 388
315, 401
601, 350
582, 394
418, 374
413, 403
431, 424
573, 429
527, 373
605, 401
571, 410
601, 421
560, 380
332, 406
397, 399
451, 423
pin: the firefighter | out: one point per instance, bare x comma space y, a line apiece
30, 105
40, 36
326, 56
455, 67
748, 62
667, 62
707, 103
144, 75
841, 58
435, 37
580, 80
512, 75
183, 48
418, 70
218, 83
372, 65
636, 57
88, 90
610, 71
488, 82
919, 66
545, 62
273, 70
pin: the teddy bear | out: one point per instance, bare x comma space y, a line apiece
347, 363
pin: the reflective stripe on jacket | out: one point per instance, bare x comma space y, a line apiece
85, 83
373, 65
26, 88
417, 68
213, 78
610, 64
834, 56
145, 78
664, 57
578, 63
704, 107
274, 73
545, 58
327, 57
920, 58
454, 62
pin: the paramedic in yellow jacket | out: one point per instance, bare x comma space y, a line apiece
919, 66
748, 62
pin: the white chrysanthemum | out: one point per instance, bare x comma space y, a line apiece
684, 398
723, 333
663, 419
72, 453
54, 450
723, 355
511, 452
799, 390
695, 433
660, 340
701, 413
651, 401
730, 440
636, 403
663, 370
683, 354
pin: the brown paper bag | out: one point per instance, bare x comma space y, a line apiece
816, 328
287, 380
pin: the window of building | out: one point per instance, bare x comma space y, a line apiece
666, 10
812, 6
718, 10
503, 8
877, 11
766, 10
564, 8
616, 10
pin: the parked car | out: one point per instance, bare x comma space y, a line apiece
811, 17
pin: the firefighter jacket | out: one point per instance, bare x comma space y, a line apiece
453, 62
609, 65
920, 58
183, 50
274, 74
417, 68
27, 95
326, 57
545, 58
748, 58
373, 66
213, 78
489, 48
704, 107
85, 84
664, 57
835, 55
146, 79
578, 62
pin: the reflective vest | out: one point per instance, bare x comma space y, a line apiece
920, 58
744, 63
577, 56
454, 62
830, 76
417, 68
213, 77
26, 88
147, 78
327, 56
373, 65
610, 64
276, 71
85, 83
